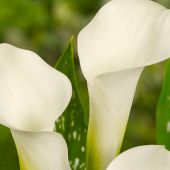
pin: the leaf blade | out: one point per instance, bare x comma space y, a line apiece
72, 124
163, 112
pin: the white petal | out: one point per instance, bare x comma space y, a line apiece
113, 48
124, 34
41, 151
33, 94
111, 98
142, 158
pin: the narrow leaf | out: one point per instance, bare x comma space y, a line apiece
163, 112
72, 124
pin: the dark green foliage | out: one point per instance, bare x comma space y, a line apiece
72, 124
165, 3
8, 153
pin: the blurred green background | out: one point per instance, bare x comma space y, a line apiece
44, 26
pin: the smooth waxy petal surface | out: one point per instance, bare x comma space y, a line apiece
41, 150
123, 38
33, 94
124, 35
142, 158
111, 98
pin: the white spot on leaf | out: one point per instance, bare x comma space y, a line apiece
74, 135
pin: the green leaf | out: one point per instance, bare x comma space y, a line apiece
72, 124
163, 112
8, 153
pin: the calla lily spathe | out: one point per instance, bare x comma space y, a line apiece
149, 157
33, 96
123, 38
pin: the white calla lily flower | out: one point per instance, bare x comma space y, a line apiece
149, 157
123, 38
33, 96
